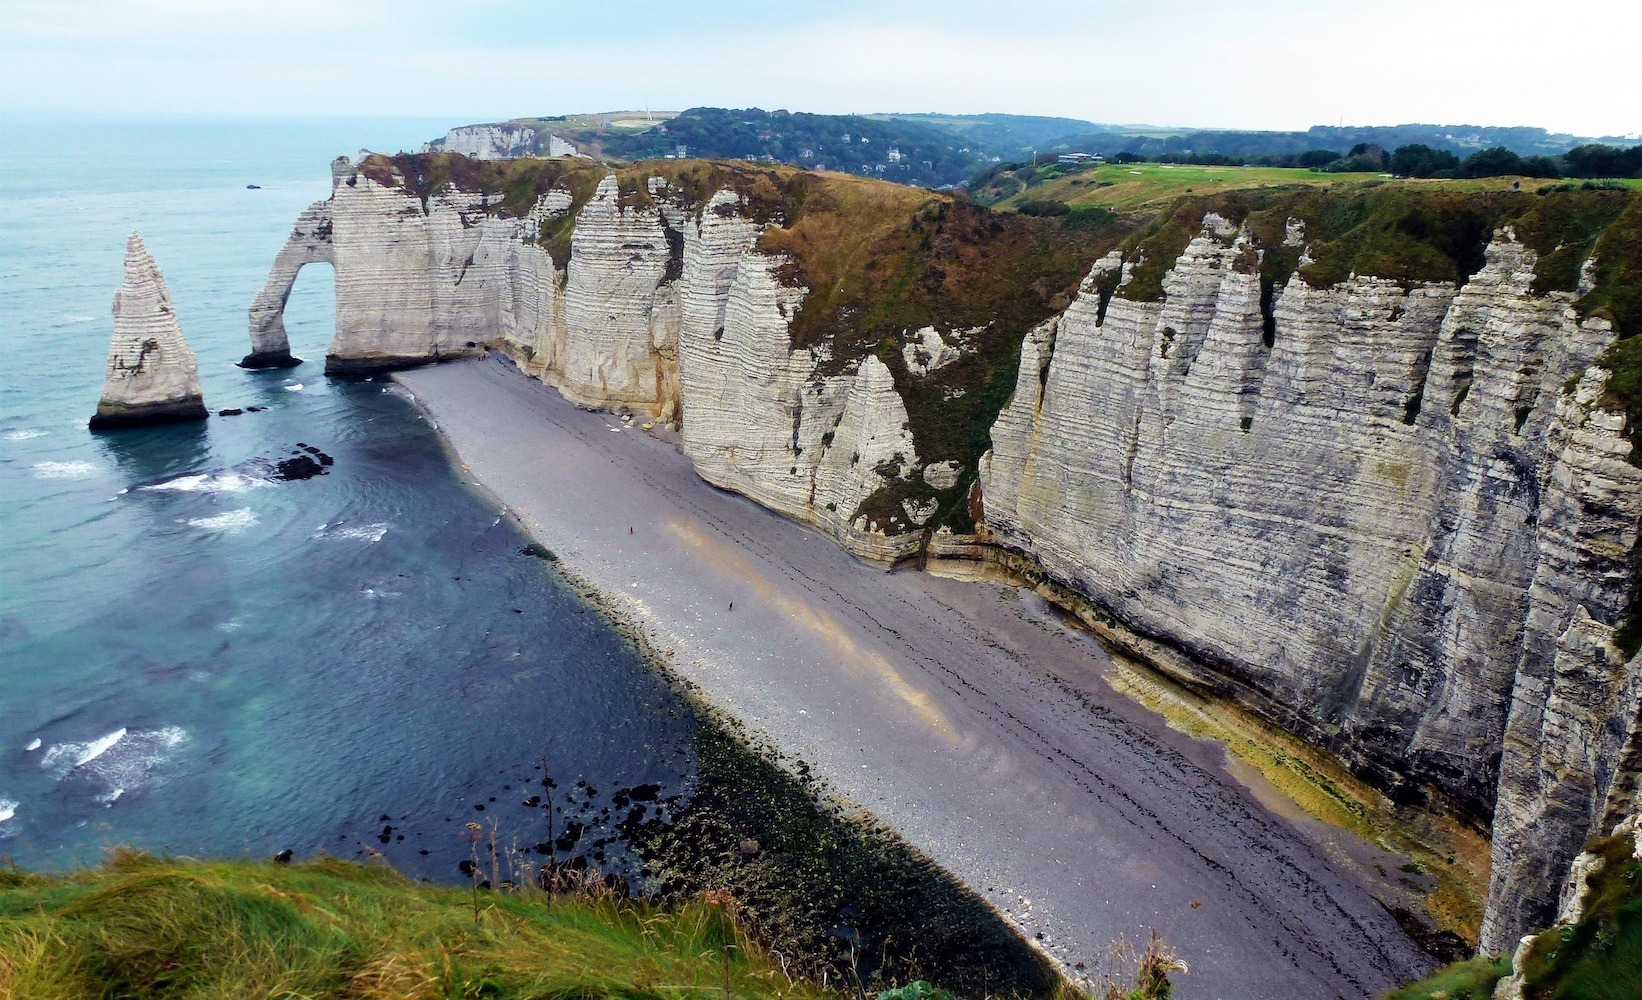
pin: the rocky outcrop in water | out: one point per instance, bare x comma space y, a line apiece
152, 376
1395, 516
309, 242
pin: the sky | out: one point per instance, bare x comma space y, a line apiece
1569, 66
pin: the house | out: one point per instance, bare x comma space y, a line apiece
893, 156
765, 135
846, 137
1079, 158
682, 151
806, 154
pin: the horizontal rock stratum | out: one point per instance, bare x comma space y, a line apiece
1361, 462
153, 376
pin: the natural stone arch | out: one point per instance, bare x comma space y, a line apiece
310, 241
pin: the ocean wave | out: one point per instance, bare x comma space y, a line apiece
34, 745
8, 809
206, 482
24, 434
116, 764
231, 523
372, 533
292, 388
64, 470
65, 757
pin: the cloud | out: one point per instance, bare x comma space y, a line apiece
1277, 64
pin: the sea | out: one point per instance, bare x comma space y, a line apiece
201, 655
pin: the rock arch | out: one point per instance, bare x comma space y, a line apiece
310, 241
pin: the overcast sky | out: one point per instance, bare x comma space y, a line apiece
1568, 65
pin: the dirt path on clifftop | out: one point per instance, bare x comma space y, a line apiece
962, 714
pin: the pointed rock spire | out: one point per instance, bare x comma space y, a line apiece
153, 376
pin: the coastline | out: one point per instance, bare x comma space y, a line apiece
825, 881
965, 715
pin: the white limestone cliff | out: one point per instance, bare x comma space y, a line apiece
1572, 746
500, 141
309, 242
152, 375
1369, 512
657, 303
1344, 528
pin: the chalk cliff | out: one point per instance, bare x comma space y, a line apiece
500, 141
657, 301
1395, 514
1382, 523
309, 242
152, 376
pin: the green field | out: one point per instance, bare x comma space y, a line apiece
1127, 187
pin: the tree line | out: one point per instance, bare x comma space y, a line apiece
1592, 160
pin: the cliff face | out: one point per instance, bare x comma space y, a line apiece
1380, 522
1393, 514
152, 375
500, 141
658, 305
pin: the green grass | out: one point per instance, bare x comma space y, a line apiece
1598, 958
1473, 979
145, 927
1131, 186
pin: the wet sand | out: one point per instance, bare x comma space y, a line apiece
963, 714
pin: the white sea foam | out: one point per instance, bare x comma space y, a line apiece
206, 482
230, 523
358, 532
24, 434
96, 748
34, 745
293, 388
119, 763
64, 470
231, 625
8, 809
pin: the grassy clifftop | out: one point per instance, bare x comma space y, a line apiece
145, 927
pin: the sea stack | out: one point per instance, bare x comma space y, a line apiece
153, 376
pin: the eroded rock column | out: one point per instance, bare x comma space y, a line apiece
153, 376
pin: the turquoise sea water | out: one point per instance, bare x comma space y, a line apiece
197, 657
